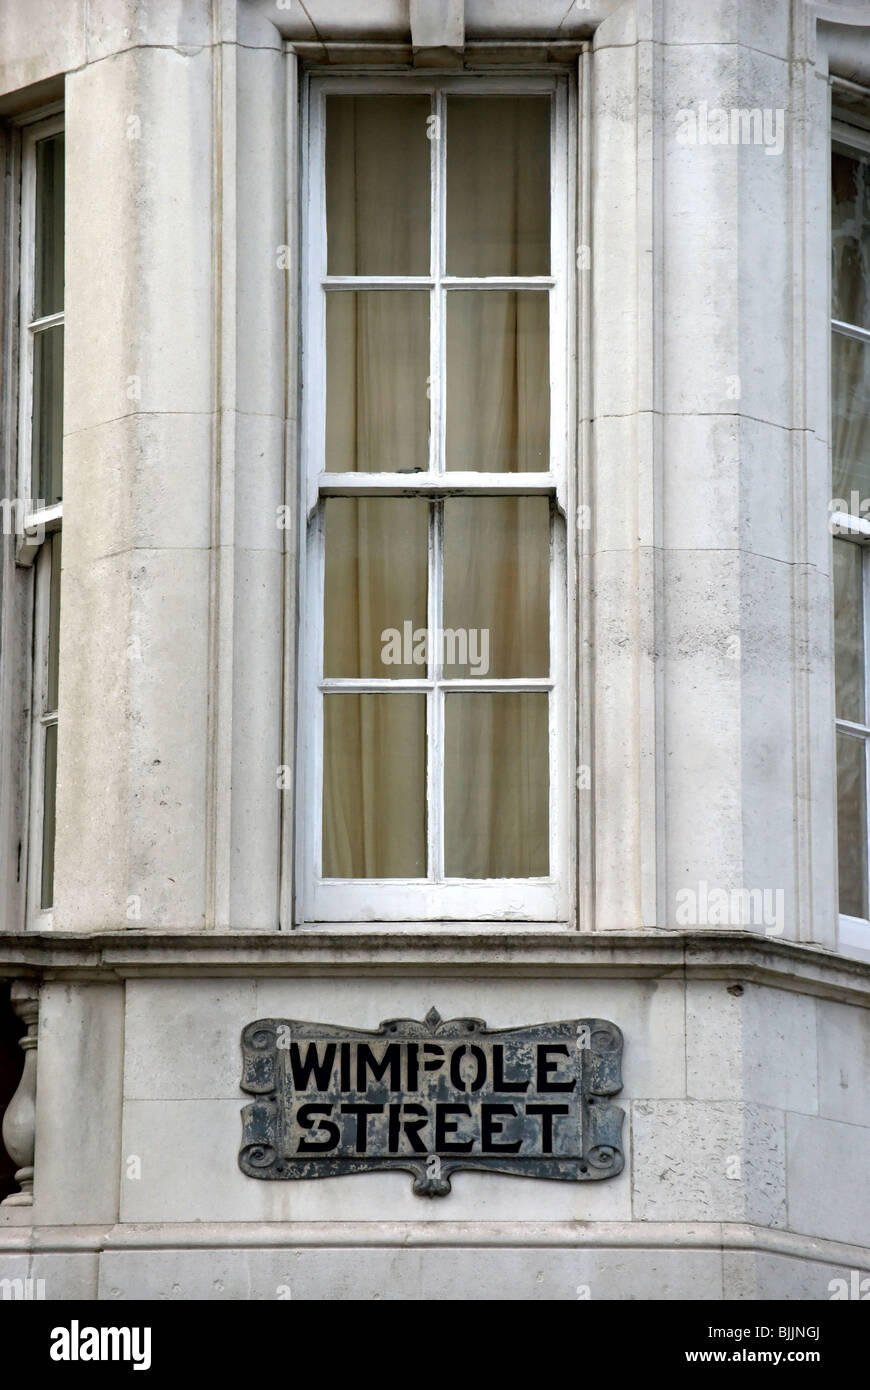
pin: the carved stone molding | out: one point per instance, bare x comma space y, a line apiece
711, 953
19, 1121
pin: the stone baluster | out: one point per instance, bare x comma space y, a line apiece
19, 1121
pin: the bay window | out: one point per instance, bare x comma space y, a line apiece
435, 741
40, 473
850, 436
34, 514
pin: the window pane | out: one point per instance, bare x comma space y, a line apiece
377, 369
377, 185
496, 779
498, 381
47, 417
850, 239
48, 279
496, 586
48, 815
53, 625
850, 420
849, 631
852, 825
498, 185
374, 786
376, 586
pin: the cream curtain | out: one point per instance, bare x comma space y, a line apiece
850, 422
495, 616
496, 785
47, 418
496, 580
851, 825
498, 381
849, 630
47, 441
377, 389
376, 578
498, 185
377, 185
850, 246
495, 551
851, 752
374, 786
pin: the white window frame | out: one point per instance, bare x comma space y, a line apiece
854, 932
40, 522
546, 901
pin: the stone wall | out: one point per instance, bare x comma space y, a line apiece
747, 1143
706, 714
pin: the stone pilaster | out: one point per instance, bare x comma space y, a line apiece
171, 635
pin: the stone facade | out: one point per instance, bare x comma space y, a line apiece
705, 634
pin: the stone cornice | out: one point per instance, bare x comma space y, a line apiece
596, 1235
514, 954
844, 40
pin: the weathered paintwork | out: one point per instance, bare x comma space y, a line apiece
431, 1097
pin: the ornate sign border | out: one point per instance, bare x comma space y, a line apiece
599, 1149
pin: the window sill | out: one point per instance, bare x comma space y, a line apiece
525, 953
37, 525
854, 939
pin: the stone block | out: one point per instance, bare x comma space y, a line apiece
78, 1103
828, 1191
708, 1161
759, 1046
844, 1062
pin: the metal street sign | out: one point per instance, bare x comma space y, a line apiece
430, 1098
